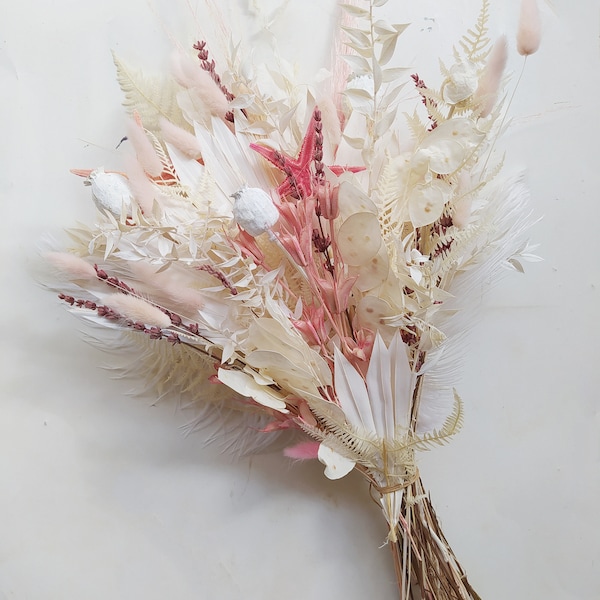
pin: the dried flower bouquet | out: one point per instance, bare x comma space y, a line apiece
299, 263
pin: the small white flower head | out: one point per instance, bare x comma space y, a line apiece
461, 83
110, 192
254, 211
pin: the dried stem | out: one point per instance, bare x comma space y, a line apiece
426, 567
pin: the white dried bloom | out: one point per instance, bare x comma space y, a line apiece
110, 192
461, 83
254, 211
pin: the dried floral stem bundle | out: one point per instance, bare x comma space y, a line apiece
297, 262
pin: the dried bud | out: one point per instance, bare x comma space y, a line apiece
254, 211
328, 201
530, 28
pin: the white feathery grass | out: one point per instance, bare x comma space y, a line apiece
137, 309
529, 33
71, 265
144, 149
183, 140
489, 84
144, 192
191, 76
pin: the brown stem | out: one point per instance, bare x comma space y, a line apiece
426, 567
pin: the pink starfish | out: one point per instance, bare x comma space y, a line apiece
300, 179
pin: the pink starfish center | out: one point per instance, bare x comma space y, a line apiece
301, 179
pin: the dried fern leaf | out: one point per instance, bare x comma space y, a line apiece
152, 98
476, 41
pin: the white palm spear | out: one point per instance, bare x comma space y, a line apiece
380, 405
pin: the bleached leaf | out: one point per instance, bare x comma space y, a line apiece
358, 95
357, 36
352, 393
513, 262
246, 386
355, 10
377, 76
393, 73
388, 48
242, 101
385, 123
360, 65
357, 143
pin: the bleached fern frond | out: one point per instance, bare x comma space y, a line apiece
475, 42
152, 98
439, 437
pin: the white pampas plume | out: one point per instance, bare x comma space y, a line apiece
191, 76
137, 309
71, 265
142, 188
529, 33
489, 84
183, 140
144, 150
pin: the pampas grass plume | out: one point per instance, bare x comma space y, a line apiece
529, 33
180, 138
142, 188
489, 84
145, 152
302, 451
191, 76
71, 265
137, 309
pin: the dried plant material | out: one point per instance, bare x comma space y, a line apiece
137, 309
144, 149
489, 84
110, 192
529, 34
314, 266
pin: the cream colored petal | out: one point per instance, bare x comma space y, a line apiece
245, 385
336, 465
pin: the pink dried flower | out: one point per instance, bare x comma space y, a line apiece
303, 451
530, 28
